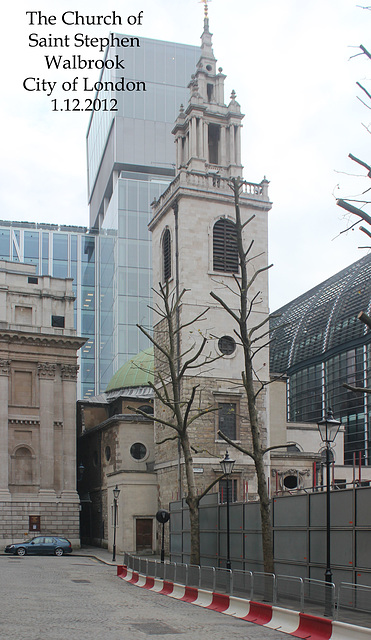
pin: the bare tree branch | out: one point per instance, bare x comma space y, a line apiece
236, 445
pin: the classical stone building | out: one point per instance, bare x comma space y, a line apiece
38, 355
194, 248
116, 448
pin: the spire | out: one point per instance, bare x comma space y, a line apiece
206, 14
207, 132
206, 43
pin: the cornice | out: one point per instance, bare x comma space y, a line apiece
28, 421
39, 339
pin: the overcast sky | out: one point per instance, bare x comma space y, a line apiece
287, 60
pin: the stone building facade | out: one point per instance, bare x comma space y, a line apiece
116, 448
192, 226
38, 371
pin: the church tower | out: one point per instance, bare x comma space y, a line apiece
194, 248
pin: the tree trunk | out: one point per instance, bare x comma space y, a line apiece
192, 501
195, 529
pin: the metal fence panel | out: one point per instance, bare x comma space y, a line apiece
209, 517
209, 543
290, 592
295, 516
181, 573
253, 547
353, 600
169, 571
151, 568
193, 578
143, 566
207, 580
160, 570
319, 597
126, 559
263, 586
223, 580
242, 584
252, 516
363, 511
296, 550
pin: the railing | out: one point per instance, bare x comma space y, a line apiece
209, 180
352, 599
350, 603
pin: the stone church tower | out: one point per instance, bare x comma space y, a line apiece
194, 248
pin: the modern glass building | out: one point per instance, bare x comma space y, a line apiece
131, 160
62, 252
320, 344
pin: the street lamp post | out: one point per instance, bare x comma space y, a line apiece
163, 516
227, 466
116, 493
328, 428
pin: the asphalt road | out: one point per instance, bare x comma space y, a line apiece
77, 598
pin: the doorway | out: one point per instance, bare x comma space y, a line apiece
144, 534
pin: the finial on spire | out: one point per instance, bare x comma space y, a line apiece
206, 8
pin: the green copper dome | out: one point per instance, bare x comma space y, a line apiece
137, 372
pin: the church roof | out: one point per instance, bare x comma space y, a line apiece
137, 372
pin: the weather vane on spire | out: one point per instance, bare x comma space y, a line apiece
206, 8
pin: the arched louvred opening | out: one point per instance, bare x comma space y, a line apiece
166, 255
225, 254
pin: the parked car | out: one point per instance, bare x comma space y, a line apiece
41, 545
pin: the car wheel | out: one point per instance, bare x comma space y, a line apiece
58, 551
21, 551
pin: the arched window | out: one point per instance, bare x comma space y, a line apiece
225, 254
166, 255
22, 466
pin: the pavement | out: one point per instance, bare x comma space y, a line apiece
79, 596
105, 556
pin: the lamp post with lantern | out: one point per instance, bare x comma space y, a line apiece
116, 493
328, 428
227, 466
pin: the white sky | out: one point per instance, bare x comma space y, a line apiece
288, 61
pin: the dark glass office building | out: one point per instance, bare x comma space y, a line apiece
320, 344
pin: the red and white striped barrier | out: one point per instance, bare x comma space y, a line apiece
299, 625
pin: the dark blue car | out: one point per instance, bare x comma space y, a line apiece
42, 545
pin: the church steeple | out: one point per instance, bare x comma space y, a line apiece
208, 132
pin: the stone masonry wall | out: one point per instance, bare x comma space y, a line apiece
59, 518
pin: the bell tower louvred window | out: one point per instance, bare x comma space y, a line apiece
225, 254
166, 255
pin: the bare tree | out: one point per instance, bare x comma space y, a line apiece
180, 410
356, 206
252, 339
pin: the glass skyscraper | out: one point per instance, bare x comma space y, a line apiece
131, 160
